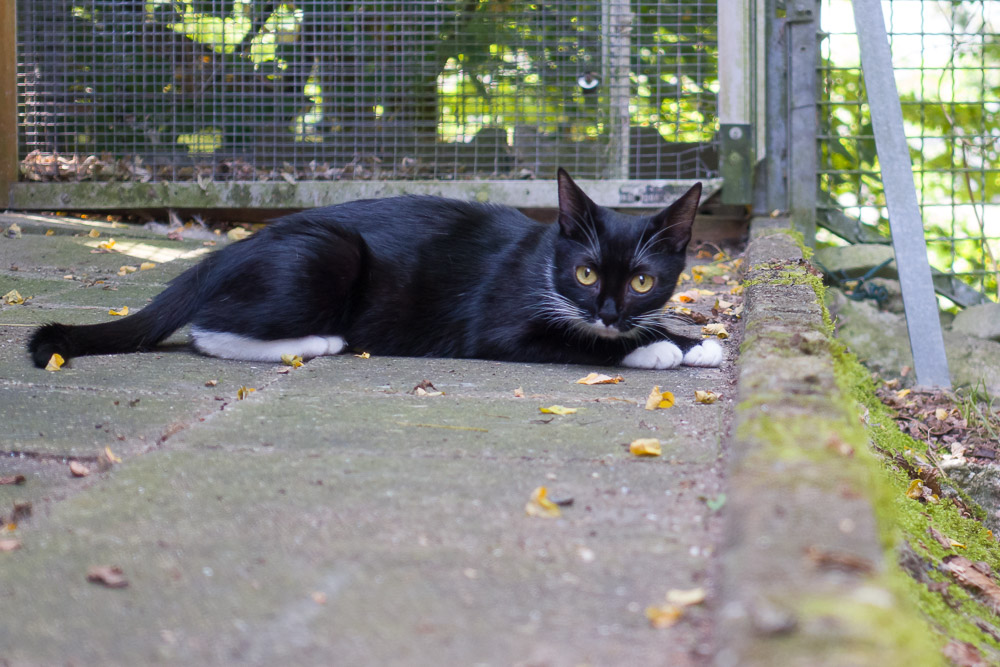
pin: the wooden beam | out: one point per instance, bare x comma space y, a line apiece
8, 100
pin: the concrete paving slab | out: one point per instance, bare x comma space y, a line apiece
332, 513
302, 559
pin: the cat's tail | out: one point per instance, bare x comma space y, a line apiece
169, 311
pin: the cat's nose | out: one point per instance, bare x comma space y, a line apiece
608, 313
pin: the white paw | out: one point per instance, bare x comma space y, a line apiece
335, 345
706, 353
660, 355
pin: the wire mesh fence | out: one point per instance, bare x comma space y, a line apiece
253, 90
946, 57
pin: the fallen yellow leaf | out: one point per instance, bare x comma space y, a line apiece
736, 290
50, 232
292, 360
55, 362
645, 447
659, 400
715, 329
237, 234
243, 392
915, 490
111, 455
941, 414
903, 393
119, 313
706, 397
363, 355
93, 233
124, 270
541, 506
146, 266
13, 298
557, 410
596, 378
664, 616
107, 245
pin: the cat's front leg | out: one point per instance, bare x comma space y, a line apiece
659, 355
707, 354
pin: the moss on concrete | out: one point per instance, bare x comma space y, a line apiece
954, 612
817, 431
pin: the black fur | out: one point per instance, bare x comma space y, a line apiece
424, 276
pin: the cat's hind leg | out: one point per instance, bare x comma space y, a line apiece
227, 345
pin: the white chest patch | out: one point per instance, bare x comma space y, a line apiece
233, 346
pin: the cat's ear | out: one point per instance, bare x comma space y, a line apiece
575, 207
673, 224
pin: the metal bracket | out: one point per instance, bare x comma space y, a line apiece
736, 163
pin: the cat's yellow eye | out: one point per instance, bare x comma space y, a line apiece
586, 275
642, 283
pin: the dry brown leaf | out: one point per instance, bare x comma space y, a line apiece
11, 479
597, 378
659, 400
211, 383
964, 654
839, 560
975, 577
645, 447
77, 469
110, 576
519, 392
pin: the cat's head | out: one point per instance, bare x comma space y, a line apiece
613, 273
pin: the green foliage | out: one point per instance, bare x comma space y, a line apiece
337, 70
952, 129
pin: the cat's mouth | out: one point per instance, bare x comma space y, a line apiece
602, 330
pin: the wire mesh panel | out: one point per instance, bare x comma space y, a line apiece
946, 57
250, 90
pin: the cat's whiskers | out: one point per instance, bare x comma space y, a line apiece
589, 229
642, 248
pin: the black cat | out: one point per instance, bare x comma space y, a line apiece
424, 276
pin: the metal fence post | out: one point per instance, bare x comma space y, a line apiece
616, 50
8, 100
803, 49
905, 222
736, 100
